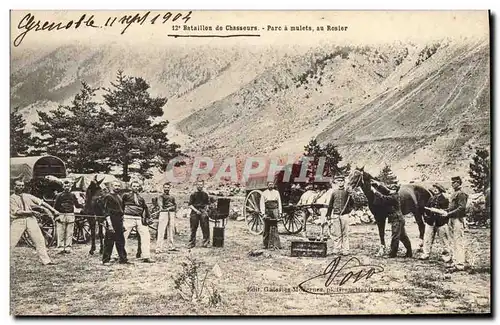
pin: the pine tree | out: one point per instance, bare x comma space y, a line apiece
346, 170
332, 159
20, 140
135, 138
387, 176
479, 171
74, 133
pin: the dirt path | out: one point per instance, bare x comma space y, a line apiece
262, 285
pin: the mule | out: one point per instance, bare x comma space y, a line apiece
413, 199
95, 210
318, 207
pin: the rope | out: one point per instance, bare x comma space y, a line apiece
94, 216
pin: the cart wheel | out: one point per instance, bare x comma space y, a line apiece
252, 213
81, 233
48, 228
292, 220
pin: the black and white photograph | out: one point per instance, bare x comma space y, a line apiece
250, 163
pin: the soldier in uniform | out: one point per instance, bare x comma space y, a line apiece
340, 204
270, 203
199, 203
395, 216
166, 220
307, 198
136, 214
456, 215
113, 211
23, 218
65, 203
435, 224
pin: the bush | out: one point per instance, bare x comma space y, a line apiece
477, 215
191, 284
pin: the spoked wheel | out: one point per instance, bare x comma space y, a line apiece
292, 220
81, 233
48, 228
252, 213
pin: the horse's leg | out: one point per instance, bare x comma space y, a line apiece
92, 235
101, 238
381, 233
421, 228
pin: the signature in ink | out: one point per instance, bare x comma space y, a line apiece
352, 271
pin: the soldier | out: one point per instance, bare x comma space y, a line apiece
113, 210
395, 216
456, 215
340, 204
168, 210
199, 203
136, 214
270, 203
307, 198
65, 203
323, 199
23, 218
435, 224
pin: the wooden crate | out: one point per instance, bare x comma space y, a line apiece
308, 249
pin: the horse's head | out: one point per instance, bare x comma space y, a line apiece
356, 178
93, 194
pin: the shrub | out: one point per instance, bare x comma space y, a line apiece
477, 215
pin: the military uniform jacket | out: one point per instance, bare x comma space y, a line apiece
135, 205
113, 205
340, 202
458, 204
167, 203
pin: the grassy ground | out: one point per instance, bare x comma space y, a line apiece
81, 285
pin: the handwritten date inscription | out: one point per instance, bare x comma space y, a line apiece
352, 271
29, 22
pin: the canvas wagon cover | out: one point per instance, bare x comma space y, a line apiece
27, 168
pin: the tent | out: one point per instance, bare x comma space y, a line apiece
82, 181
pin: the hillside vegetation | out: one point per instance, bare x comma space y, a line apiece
421, 108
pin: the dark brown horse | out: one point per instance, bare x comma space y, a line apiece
94, 209
413, 199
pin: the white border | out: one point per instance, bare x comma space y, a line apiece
185, 4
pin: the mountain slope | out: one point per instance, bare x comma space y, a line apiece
420, 107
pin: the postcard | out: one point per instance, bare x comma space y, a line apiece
252, 163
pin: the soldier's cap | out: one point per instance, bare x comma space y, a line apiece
340, 178
456, 179
66, 182
439, 187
